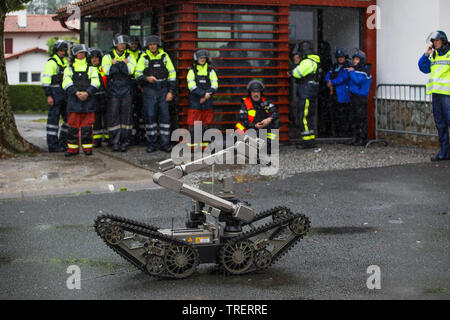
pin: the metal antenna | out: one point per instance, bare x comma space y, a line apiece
212, 179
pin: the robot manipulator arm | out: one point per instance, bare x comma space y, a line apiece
247, 147
170, 177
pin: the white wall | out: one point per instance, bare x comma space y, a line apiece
26, 41
405, 25
31, 62
444, 20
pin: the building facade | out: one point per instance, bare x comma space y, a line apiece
247, 40
25, 43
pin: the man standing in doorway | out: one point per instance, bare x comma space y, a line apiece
306, 75
339, 99
358, 86
436, 62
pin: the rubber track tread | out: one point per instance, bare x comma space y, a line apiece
141, 229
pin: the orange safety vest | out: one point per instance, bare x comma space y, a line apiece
251, 113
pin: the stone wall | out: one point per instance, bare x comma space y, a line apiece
412, 122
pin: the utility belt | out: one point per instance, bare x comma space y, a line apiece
309, 79
119, 77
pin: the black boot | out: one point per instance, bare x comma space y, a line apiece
97, 143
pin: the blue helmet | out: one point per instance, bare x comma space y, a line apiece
340, 52
361, 55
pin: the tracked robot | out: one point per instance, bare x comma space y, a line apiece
220, 229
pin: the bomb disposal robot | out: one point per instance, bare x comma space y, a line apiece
233, 237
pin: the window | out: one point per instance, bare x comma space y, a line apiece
99, 31
36, 77
8, 46
23, 76
244, 42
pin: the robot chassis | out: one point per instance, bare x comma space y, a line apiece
231, 241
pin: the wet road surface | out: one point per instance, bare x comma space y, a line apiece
396, 218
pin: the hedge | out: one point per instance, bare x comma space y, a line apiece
27, 98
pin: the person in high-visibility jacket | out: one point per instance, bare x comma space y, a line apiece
56, 97
202, 83
119, 67
306, 75
258, 113
157, 77
138, 132
436, 62
100, 131
81, 82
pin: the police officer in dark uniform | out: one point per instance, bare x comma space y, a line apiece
119, 67
138, 132
56, 97
157, 76
339, 99
100, 131
306, 75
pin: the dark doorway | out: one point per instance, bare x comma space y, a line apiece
326, 28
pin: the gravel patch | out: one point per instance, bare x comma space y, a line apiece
293, 161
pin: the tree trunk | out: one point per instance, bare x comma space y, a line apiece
11, 142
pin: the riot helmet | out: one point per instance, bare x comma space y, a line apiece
79, 48
95, 52
438, 35
152, 39
61, 45
120, 38
135, 40
361, 55
255, 85
304, 48
340, 52
202, 53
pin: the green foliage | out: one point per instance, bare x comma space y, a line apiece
46, 6
14, 5
51, 42
27, 98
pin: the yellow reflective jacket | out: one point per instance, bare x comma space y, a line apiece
80, 76
160, 66
307, 67
53, 73
439, 81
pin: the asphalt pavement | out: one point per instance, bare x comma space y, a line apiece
395, 218
378, 212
